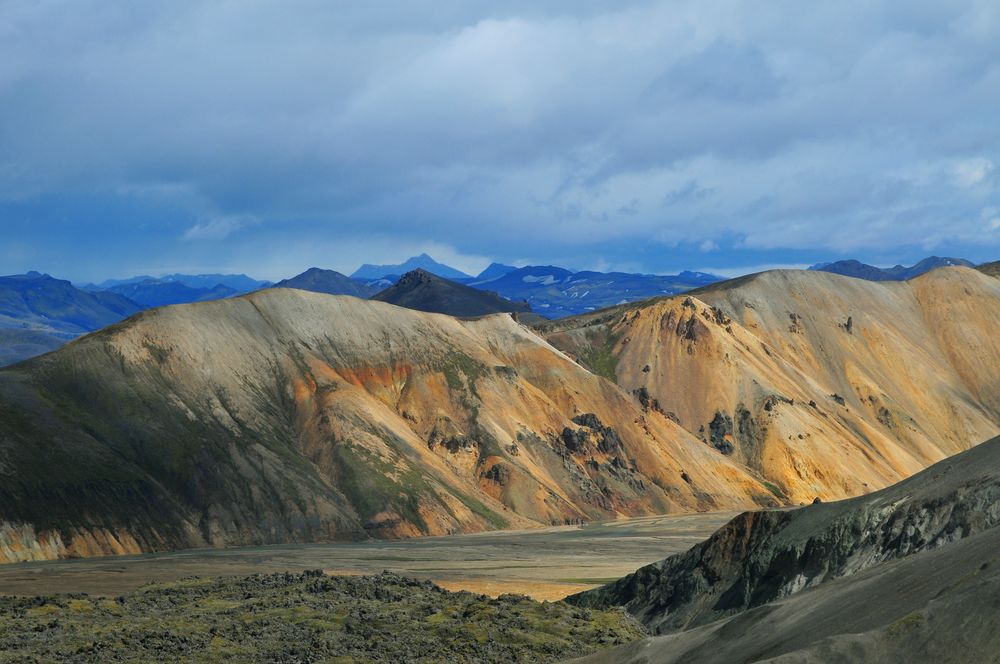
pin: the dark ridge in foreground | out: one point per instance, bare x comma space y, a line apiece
939, 607
307, 617
761, 557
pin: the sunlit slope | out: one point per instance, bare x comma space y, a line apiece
827, 386
288, 416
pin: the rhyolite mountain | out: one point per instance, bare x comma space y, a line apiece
330, 282
289, 416
859, 270
292, 416
422, 262
555, 292
824, 385
39, 313
908, 573
424, 291
157, 293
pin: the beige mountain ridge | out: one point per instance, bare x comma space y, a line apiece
289, 416
833, 386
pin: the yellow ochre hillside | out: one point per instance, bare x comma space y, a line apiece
825, 386
290, 416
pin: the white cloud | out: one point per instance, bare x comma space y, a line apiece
970, 172
217, 228
733, 272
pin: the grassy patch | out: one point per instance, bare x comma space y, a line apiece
461, 372
905, 624
477, 508
774, 489
596, 581
374, 485
598, 355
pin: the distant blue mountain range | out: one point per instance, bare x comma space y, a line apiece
39, 313
179, 288
239, 283
555, 292
494, 271
859, 270
421, 262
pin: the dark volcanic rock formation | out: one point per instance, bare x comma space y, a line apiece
760, 557
424, 291
330, 282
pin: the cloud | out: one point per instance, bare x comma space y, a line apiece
217, 228
970, 172
733, 272
506, 130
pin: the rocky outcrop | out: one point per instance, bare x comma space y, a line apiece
424, 291
937, 606
760, 557
20, 543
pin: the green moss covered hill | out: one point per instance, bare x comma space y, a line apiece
307, 617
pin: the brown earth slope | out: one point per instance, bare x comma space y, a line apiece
826, 386
288, 416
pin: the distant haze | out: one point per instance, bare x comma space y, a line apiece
264, 138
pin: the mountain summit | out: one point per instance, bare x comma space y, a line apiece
330, 282
424, 291
423, 262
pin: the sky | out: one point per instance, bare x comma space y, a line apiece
267, 137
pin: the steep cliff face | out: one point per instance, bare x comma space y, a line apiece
823, 385
293, 416
761, 557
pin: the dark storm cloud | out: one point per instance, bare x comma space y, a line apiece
265, 136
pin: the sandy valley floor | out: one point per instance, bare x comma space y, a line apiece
545, 564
